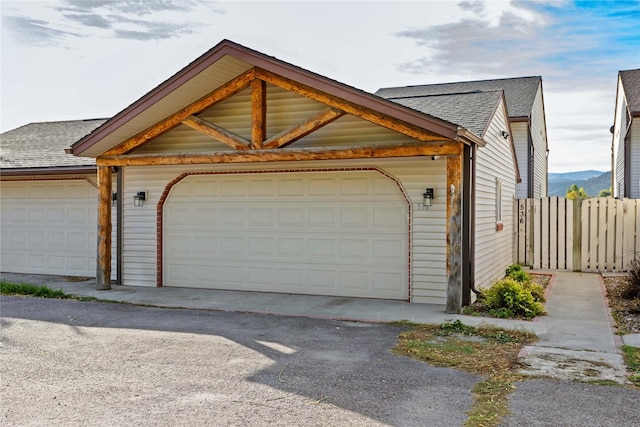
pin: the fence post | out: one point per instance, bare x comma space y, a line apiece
577, 235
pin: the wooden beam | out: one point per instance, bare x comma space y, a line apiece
103, 268
349, 107
304, 128
223, 92
258, 113
277, 155
216, 132
454, 234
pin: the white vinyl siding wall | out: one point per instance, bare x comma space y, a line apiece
493, 249
520, 135
539, 140
620, 128
428, 264
634, 145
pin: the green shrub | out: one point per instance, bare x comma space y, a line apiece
515, 272
509, 296
513, 268
537, 291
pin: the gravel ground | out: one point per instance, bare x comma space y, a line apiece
627, 311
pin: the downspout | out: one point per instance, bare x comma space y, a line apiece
467, 208
532, 153
119, 222
472, 226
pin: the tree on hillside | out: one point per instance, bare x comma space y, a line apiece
575, 193
605, 193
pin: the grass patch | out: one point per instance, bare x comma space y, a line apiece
10, 288
632, 358
486, 350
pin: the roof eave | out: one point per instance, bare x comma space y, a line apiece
466, 137
59, 170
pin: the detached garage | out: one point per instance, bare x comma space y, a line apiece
243, 172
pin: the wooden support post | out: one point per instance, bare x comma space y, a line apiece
454, 234
103, 269
258, 113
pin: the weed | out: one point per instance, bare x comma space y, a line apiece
456, 327
10, 288
406, 323
492, 401
485, 350
632, 359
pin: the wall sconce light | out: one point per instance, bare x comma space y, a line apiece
427, 199
139, 198
504, 134
114, 199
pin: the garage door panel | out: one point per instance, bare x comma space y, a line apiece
315, 233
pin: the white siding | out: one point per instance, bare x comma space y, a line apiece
619, 132
493, 248
520, 135
634, 165
539, 140
428, 263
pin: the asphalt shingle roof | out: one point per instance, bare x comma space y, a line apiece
519, 92
631, 83
42, 145
472, 111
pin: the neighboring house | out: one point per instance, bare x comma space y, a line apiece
243, 172
49, 200
625, 147
525, 104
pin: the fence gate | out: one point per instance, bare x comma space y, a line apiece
595, 235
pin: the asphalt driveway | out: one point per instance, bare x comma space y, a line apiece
73, 363
76, 363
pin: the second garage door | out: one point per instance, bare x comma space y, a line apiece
48, 227
342, 233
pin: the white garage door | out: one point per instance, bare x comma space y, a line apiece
48, 227
320, 233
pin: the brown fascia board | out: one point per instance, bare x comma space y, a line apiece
300, 75
519, 119
71, 170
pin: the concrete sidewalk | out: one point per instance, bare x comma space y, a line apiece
579, 341
576, 337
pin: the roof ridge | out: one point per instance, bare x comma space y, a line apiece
470, 92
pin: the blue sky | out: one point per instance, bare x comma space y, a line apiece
76, 59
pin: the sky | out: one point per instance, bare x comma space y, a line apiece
81, 59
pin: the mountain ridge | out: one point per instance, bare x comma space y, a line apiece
591, 180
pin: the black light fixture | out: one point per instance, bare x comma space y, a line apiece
114, 198
139, 198
504, 134
427, 199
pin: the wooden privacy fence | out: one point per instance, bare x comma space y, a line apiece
593, 235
